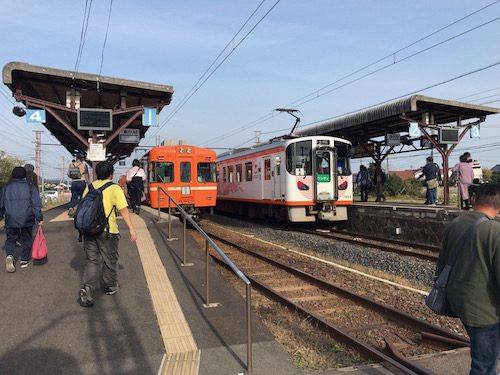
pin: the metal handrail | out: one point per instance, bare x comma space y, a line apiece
235, 269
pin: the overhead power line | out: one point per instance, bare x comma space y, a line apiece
316, 94
83, 33
198, 85
106, 37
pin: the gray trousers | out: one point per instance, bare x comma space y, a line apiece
102, 258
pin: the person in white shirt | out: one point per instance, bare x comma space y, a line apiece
135, 178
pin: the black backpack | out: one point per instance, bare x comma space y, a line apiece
136, 183
90, 218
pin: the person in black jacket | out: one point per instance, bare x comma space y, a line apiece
20, 204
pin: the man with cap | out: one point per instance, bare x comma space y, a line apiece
20, 204
79, 174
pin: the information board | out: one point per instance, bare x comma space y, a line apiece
94, 119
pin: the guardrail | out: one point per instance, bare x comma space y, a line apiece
208, 241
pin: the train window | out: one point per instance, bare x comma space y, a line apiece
163, 172
185, 171
239, 172
324, 163
230, 176
224, 174
207, 172
267, 169
343, 158
248, 171
298, 158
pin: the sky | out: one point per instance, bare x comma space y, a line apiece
231, 63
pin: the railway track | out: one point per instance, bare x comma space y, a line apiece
377, 331
423, 252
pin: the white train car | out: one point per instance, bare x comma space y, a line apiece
296, 179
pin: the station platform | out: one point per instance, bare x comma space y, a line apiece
155, 324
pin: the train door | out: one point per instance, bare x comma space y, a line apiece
277, 178
325, 174
267, 181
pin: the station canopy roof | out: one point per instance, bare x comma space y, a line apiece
48, 88
393, 118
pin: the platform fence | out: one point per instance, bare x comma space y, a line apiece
208, 241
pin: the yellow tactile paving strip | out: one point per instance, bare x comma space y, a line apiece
182, 354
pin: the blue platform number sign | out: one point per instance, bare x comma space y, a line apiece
35, 115
150, 117
414, 130
474, 131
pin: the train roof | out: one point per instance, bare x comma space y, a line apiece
272, 143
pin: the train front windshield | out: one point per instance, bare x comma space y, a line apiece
162, 172
207, 172
299, 158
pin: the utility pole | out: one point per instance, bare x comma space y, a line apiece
38, 151
61, 185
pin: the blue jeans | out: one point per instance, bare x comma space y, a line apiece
484, 349
25, 235
432, 196
77, 188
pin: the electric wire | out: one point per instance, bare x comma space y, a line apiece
397, 97
105, 38
214, 70
217, 58
83, 33
317, 93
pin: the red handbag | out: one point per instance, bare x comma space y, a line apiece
39, 248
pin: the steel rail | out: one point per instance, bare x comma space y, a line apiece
414, 322
338, 334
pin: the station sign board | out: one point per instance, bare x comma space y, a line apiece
129, 136
361, 152
393, 139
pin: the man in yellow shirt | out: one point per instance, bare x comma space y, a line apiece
102, 250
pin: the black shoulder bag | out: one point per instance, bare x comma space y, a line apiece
436, 300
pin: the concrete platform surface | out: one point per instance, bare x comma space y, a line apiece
155, 324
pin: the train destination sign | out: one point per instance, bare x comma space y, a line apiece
95, 119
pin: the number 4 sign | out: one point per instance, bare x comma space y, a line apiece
35, 115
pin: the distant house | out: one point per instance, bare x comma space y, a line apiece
496, 168
409, 173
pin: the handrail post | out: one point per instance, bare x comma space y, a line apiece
207, 281
169, 219
159, 210
249, 328
184, 263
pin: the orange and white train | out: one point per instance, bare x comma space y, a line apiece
186, 173
296, 179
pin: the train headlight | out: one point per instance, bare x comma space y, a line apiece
181, 150
185, 190
188, 150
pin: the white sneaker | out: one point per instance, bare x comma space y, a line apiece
9, 264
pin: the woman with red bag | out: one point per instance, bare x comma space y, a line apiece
21, 205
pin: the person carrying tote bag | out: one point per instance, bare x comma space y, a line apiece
39, 250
